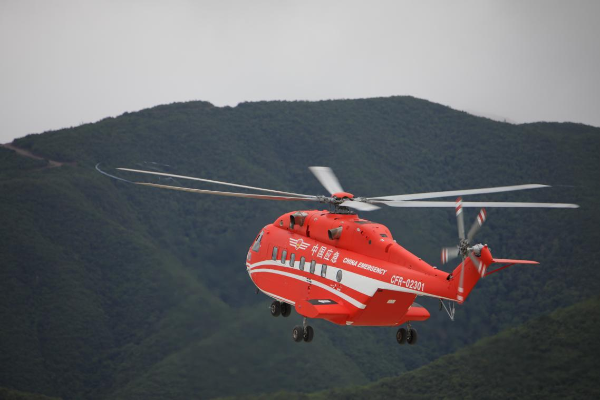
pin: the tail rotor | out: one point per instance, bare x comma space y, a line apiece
481, 217
464, 249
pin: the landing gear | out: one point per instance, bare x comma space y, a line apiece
407, 335
277, 308
401, 336
309, 333
298, 333
412, 338
304, 332
286, 309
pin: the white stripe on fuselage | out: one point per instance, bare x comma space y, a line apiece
360, 283
338, 293
277, 297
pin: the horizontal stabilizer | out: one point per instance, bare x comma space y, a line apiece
508, 263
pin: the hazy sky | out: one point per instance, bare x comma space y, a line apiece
66, 62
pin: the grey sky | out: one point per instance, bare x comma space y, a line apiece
72, 61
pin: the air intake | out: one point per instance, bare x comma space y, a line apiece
335, 233
297, 218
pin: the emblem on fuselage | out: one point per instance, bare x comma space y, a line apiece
298, 244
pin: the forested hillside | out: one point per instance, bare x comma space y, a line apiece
10, 394
562, 364
109, 290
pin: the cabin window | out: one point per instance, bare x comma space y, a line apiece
323, 270
313, 264
338, 276
275, 253
382, 235
256, 246
292, 259
283, 256
302, 261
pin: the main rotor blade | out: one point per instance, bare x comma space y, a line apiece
111, 176
471, 204
359, 205
432, 195
327, 178
460, 218
211, 181
231, 194
477, 224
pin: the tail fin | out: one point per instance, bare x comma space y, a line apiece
465, 281
476, 267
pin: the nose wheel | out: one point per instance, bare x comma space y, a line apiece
407, 335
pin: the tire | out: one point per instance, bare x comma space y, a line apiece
275, 308
401, 336
286, 309
309, 333
413, 337
298, 333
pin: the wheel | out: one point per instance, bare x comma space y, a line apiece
286, 309
275, 308
412, 339
401, 336
298, 333
309, 333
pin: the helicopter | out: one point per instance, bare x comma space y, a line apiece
336, 266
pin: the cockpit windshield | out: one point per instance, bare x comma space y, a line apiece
256, 246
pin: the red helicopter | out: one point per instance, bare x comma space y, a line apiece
339, 267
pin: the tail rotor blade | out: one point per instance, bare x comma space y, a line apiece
481, 268
327, 178
449, 253
481, 217
461, 219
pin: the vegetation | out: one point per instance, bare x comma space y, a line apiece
561, 363
9, 394
109, 290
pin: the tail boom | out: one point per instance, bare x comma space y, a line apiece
476, 267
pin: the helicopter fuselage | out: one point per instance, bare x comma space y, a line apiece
344, 269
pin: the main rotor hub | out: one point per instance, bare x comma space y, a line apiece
337, 199
343, 195
463, 248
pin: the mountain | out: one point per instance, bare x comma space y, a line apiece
564, 347
109, 290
